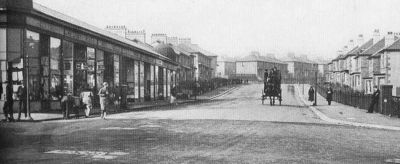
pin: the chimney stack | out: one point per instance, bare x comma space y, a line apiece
360, 40
351, 44
376, 36
389, 39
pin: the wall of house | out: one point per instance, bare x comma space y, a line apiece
246, 67
220, 72
394, 72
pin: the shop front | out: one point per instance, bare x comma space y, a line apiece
53, 56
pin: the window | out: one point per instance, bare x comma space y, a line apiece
55, 68
33, 64
116, 70
67, 63
100, 68
91, 65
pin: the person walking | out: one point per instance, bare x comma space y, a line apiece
103, 94
311, 94
329, 94
22, 101
374, 99
66, 104
86, 96
8, 105
173, 95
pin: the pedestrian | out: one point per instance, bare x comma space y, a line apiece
66, 104
104, 94
173, 95
8, 105
329, 94
86, 96
22, 101
374, 99
311, 94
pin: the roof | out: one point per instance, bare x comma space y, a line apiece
297, 59
393, 47
374, 48
74, 21
165, 49
351, 52
261, 58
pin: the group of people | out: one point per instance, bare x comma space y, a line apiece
271, 77
86, 97
9, 102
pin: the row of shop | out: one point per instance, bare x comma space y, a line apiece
52, 54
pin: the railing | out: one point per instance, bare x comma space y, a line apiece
348, 97
393, 106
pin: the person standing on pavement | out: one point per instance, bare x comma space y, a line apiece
66, 104
374, 99
8, 105
103, 94
329, 94
86, 96
311, 94
22, 101
173, 95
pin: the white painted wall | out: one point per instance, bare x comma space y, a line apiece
394, 65
246, 67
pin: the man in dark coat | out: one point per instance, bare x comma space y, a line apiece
311, 94
374, 99
329, 94
8, 105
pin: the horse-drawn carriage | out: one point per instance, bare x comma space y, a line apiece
272, 87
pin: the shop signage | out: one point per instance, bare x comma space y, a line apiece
81, 37
44, 25
159, 62
148, 59
130, 54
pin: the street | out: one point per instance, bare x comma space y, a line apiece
233, 128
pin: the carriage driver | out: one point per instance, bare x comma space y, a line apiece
265, 79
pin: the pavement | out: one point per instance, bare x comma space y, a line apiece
95, 113
347, 115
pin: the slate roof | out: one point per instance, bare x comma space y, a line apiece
393, 47
374, 48
261, 58
42, 9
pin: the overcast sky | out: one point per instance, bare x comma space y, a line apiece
236, 27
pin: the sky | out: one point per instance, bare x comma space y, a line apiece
318, 28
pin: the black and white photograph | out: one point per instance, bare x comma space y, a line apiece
200, 81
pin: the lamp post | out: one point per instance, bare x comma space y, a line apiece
28, 104
315, 86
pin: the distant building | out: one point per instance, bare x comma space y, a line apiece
161, 38
119, 30
213, 65
136, 35
202, 62
185, 41
226, 68
300, 68
172, 40
252, 67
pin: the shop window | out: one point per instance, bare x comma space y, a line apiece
91, 65
116, 70
109, 69
152, 93
161, 83
45, 67
136, 79
100, 68
80, 69
156, 82
33, 64
141, 80
130, 72
55, 68
68, 48
3, 41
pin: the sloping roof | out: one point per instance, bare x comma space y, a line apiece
351, 52
297, 59
261, 58
393, 47
188, 48
374, 48
92, 28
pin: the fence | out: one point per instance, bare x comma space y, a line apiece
187, 89
360, 100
